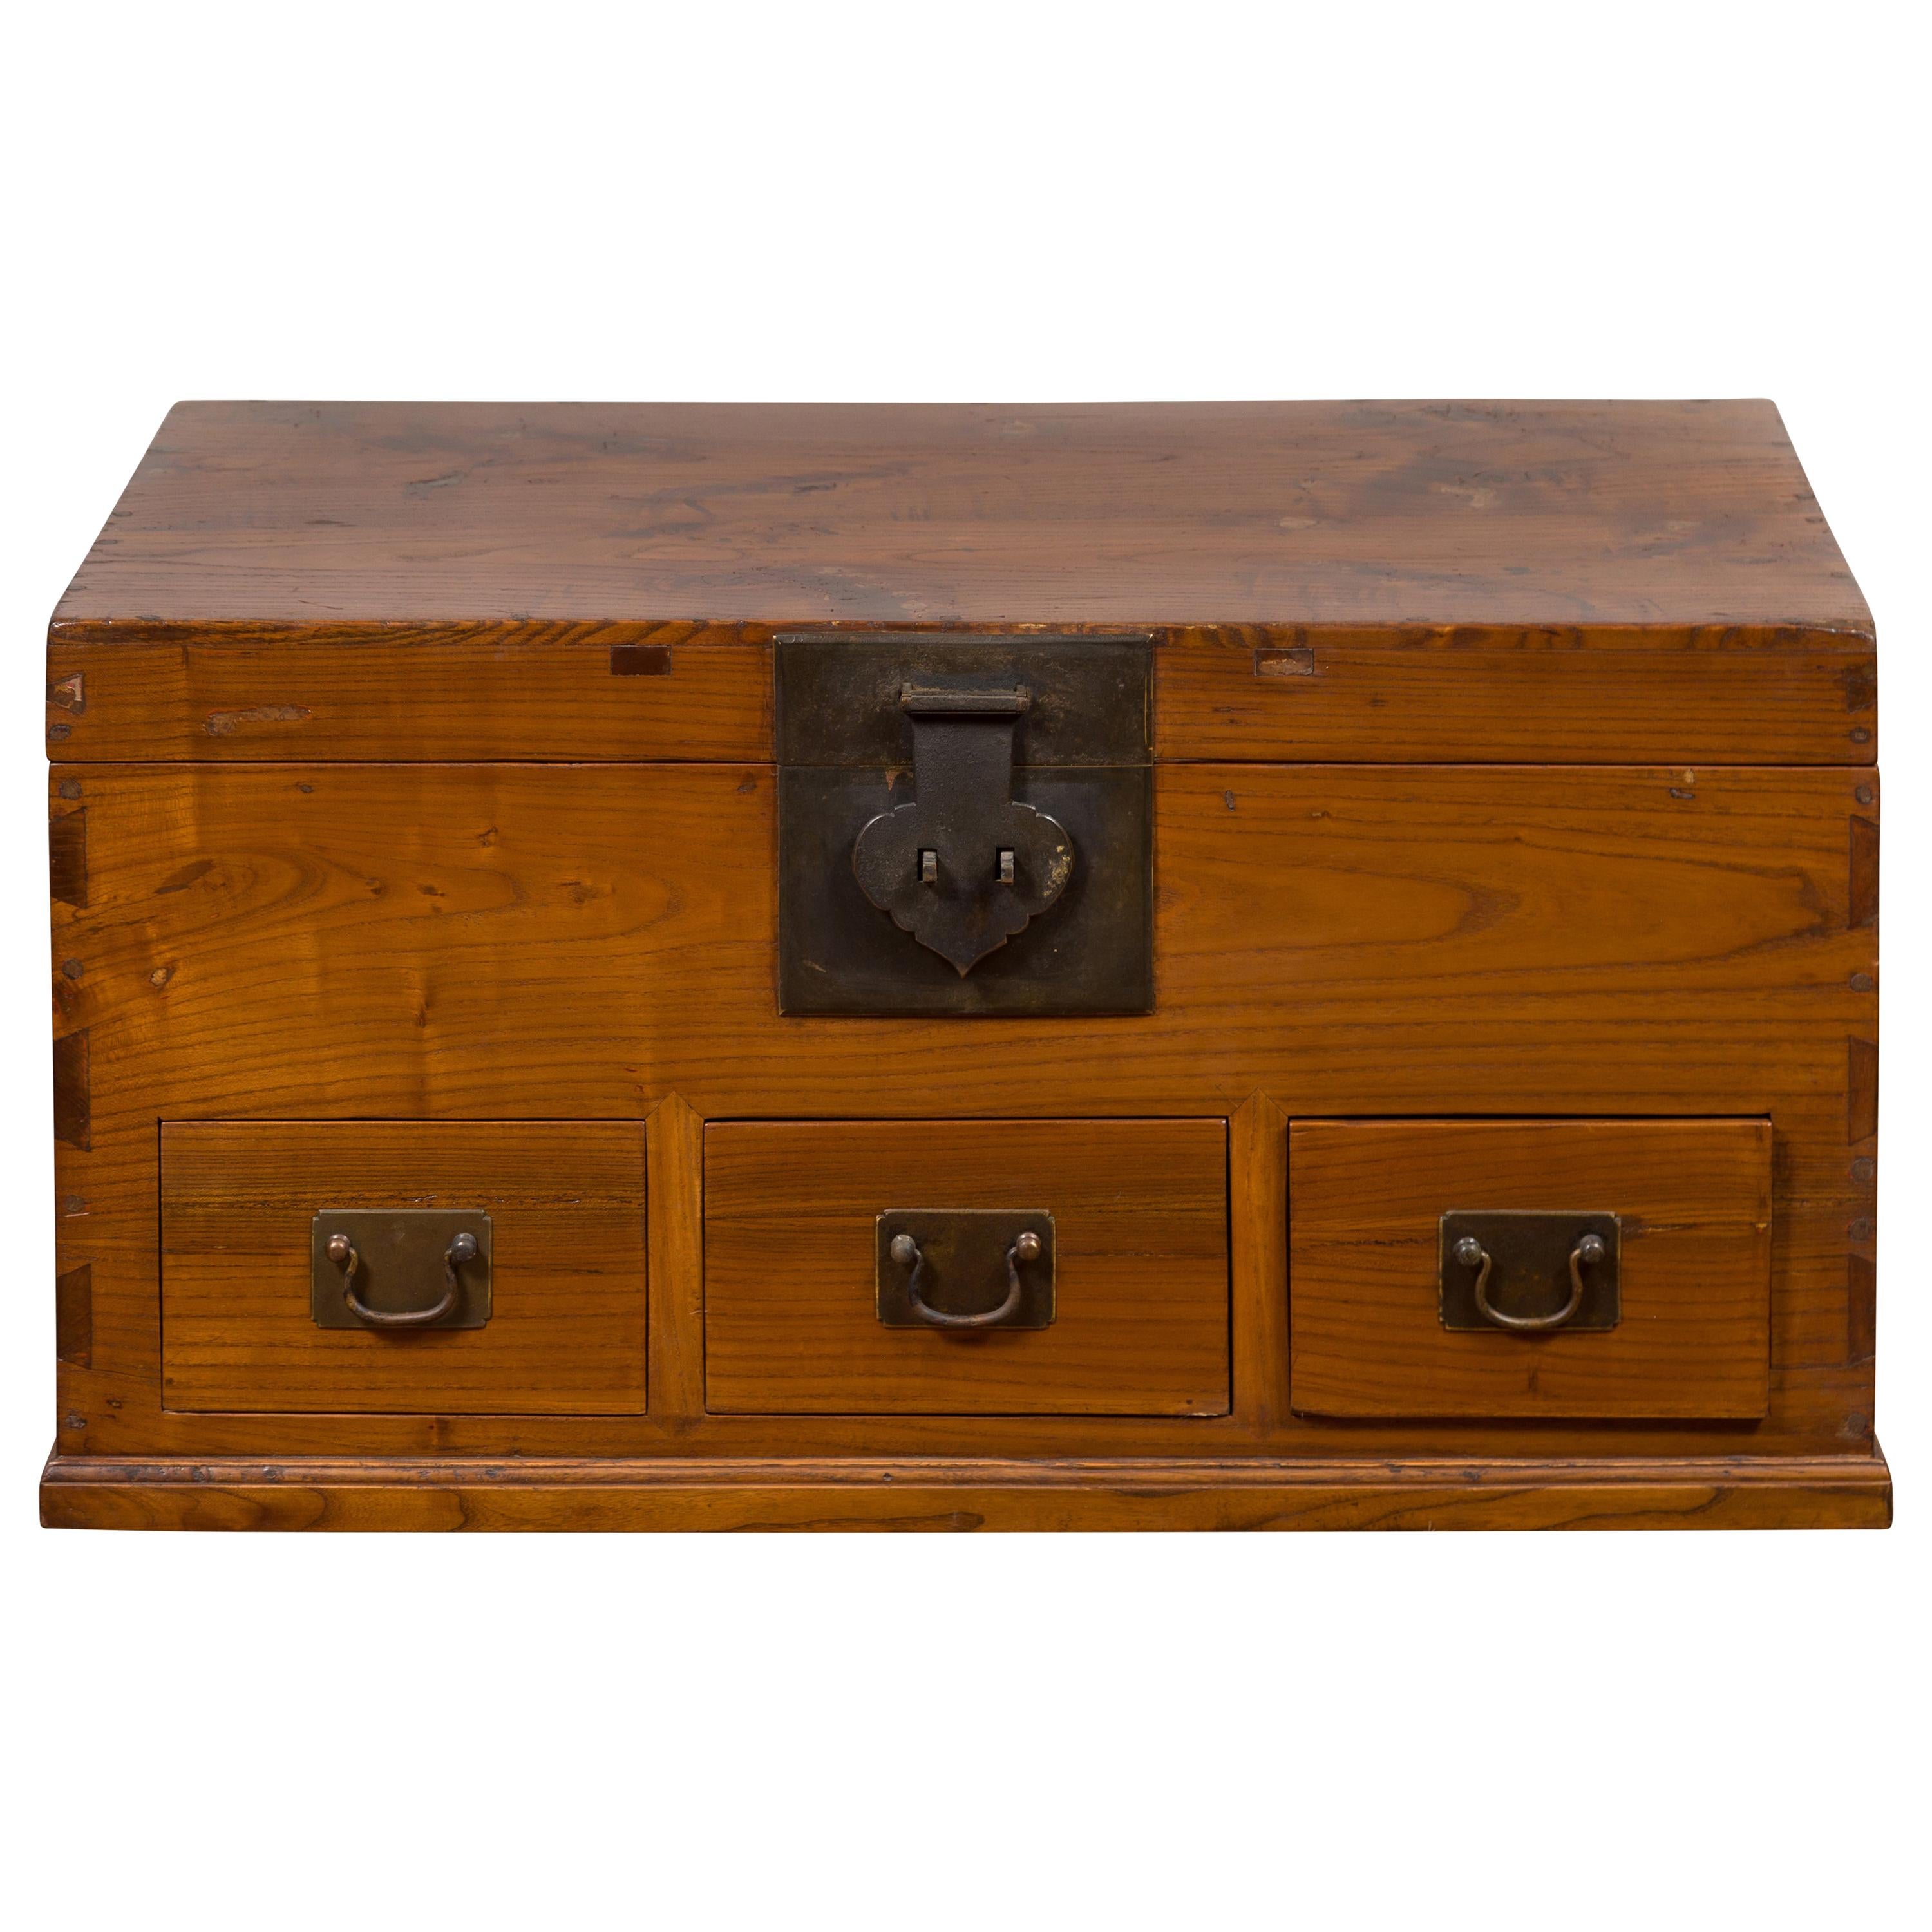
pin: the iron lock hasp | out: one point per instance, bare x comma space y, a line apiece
964, 824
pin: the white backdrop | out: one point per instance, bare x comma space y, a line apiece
968, 202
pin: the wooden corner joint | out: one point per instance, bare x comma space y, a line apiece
1861, 1090
72, 1094
1861, 894
73, 1316
67, 858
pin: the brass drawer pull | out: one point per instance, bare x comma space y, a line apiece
341, 1250
906, 1252
1530, 1271
1471, 1253
375, 1268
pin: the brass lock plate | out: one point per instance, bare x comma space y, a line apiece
406, 1262
965, 1270
964, 824
1516, 1271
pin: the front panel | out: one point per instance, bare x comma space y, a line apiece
841, 1274
425, 1266
489, 948
1531, 1268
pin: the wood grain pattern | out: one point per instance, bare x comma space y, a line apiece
1449, 513
1694, 1197
575, 943
1258, 1232
1579, 694
247, 693
1847, 1491
492, 942
566, 1330
1573, 583
1515, 766
674, 1139
1140, 1212
1574, 694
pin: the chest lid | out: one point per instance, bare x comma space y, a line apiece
1565, 582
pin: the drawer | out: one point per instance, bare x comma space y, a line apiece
1370, 1260
799, 1274
563, 1266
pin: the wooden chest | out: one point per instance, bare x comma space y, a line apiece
1180, 966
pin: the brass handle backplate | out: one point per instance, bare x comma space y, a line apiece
965, 1270
1530, 1273
400, 1271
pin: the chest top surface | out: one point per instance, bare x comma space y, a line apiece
1658, 515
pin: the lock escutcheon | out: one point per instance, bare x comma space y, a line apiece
965, 823
965, 866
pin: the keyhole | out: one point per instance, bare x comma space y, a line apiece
1005, 866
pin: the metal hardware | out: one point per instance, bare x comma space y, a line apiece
400, 1269
963, 1269
965, 866
1471, 1253
937, 794
1530, 1273
342, 1252
907, 1253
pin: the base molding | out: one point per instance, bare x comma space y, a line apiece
921, 1493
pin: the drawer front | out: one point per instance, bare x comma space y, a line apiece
1668, 1234
805, 1306
245, 1272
